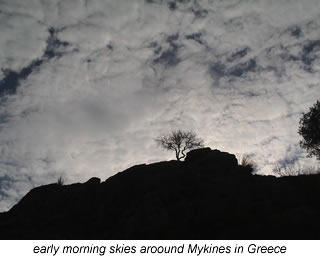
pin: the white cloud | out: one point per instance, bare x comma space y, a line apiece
121, 72
22, 36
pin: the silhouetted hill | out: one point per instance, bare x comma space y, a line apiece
208, 196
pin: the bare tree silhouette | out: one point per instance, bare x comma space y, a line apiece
180, 142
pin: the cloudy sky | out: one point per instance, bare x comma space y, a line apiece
86, 85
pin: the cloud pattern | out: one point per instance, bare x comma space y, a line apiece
86, 85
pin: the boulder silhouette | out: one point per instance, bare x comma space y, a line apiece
205, 158
207, 196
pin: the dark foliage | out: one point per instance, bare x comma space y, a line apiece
309, 129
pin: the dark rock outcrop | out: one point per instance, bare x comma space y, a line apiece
209, 196
220, 162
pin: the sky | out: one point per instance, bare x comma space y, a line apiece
86, 85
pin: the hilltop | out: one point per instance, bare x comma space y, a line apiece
207, 196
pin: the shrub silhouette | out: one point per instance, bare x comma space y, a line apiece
60, 181
309, 129
180, 142
293, 169
247, 162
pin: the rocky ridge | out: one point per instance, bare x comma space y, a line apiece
207, 196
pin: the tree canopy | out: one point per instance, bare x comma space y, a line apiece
309, 129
